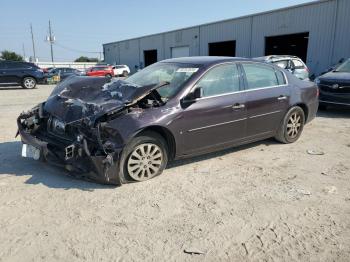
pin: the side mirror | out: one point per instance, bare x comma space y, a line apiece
193, 95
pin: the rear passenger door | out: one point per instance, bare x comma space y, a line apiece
14, 72
267, 98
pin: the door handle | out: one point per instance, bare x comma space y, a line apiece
282, 98
238, 106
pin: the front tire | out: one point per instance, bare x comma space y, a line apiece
125, 73
292, 126
29, 83
145, 157
109, 76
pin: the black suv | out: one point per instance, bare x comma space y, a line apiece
20, 73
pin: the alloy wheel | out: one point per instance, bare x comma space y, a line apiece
29, 83
145, 161
294, 125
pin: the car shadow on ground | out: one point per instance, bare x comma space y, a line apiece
12, 88
195, 159
12, 164
334, 112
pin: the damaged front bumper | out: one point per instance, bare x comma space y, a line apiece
75, 155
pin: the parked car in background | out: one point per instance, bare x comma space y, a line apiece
335, 86
121, 70
106, 71
291, 63
20, 73
333, 67
127, 130
63, 72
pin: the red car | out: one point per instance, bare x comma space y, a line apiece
106, 71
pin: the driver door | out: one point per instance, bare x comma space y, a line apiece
218, 117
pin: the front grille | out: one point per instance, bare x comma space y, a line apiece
335, 87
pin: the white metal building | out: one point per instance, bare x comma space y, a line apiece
318, 32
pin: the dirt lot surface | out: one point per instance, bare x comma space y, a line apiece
265, 201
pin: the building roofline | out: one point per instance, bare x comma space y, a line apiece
224, 20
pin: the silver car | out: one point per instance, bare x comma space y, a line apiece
291, 63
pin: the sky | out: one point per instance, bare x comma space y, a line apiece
82, 26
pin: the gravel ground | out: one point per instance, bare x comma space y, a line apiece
260, 202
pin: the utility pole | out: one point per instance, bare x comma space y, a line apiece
51, 39
24, 52
31, 31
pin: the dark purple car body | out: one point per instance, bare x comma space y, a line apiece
94, 127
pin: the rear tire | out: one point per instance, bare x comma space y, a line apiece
144, 158
28, 83
291, 126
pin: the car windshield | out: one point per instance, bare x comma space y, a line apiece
175, 75
344, 67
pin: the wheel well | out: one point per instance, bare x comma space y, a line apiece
29, 76
168, 137
305, 109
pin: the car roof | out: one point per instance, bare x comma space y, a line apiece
10, 61
276, 57
204, 60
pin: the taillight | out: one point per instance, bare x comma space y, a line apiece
318, 92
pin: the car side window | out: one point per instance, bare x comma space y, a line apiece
13, 65
298, 64
220, 80
282, 64
259, 76
280, 77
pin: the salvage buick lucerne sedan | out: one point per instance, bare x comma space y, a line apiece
118, 131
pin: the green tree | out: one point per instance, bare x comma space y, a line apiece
86, 59
12, 56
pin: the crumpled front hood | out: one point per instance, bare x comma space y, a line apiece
80, 97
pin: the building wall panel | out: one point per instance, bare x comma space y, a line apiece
327, 21
342, 32
152, 42
238, 30
315, 19
185, 37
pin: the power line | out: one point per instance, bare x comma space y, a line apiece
76, 50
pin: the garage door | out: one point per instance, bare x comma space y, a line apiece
181, 51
